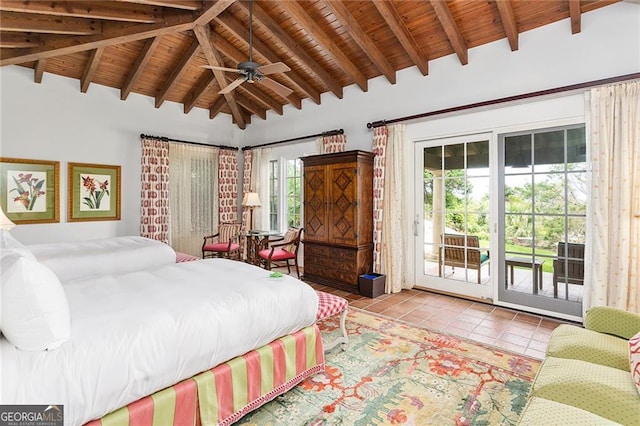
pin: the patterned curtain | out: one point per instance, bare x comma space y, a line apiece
228, 186
613, 271
334, 143
154, 196
246, 186
379, 149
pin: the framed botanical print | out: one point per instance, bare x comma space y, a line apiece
94, 192
29, 190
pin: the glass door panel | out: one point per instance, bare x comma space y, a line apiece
452, 221
543, 185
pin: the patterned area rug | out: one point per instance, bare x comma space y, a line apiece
393, 373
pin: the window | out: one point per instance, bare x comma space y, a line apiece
193, 195
274, 194
285, 194
294, 182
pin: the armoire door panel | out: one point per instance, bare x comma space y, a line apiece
315, 204
342, 215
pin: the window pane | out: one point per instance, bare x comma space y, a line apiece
517, 194
274, 191
577, 193
549, 150
577, 148
517, 154
478, 158
518, 233
549, 193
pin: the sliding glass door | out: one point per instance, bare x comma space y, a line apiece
543, 189
539, 197
452, 220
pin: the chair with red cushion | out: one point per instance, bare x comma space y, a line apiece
283, 250
225, 243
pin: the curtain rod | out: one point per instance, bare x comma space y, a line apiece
329, 133
561, 89
166, 139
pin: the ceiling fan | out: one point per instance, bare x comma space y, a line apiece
252, 72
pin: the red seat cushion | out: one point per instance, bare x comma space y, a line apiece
329, 305
278, 254
221, 247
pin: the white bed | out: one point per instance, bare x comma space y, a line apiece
133, 334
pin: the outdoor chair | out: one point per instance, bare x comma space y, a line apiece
568, 267
225, 243
455, 253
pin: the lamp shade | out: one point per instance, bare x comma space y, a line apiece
5, 223
251, 199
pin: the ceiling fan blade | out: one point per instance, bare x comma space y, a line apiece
237, 82
273, 68
281, 90
211, 67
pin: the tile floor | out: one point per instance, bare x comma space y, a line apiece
516, 331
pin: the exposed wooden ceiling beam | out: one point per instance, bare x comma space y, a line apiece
508, 22
204, 85
451, 29
90, 69
362, 39
295, 50
138, 67
297, 12
207, 15
217, 107
111, 34
396, 25
252, 106
576, 16
176, 4
38, 72
261, 49
52, 47
203, 34
231, 52
177, 72
19, 40
34, 23
79, 9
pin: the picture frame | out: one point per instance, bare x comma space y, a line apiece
29, 190
94, 192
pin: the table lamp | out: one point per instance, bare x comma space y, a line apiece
251, 200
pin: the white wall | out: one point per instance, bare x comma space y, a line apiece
54, 121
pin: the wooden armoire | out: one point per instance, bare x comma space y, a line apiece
338, 218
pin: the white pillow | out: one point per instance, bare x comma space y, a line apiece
35, 311
9, 245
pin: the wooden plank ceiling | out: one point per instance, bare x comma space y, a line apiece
158, 48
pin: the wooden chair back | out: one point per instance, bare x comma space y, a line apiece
569, 265
454, 253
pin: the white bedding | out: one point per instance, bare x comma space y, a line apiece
136, 333
114, 255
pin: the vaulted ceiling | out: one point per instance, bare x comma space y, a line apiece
159, 48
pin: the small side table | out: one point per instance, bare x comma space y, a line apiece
258, 240
525, 262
